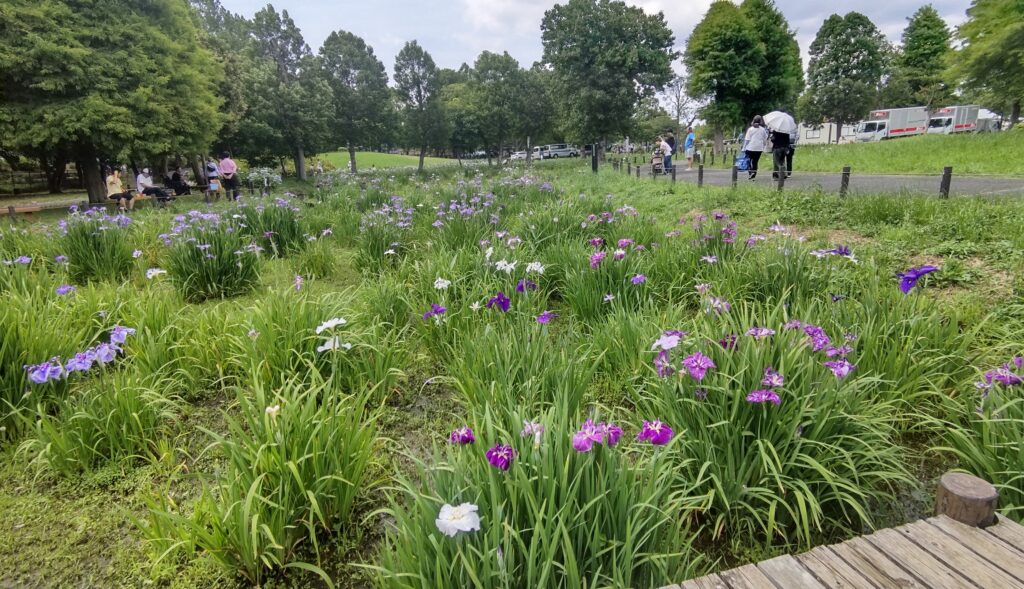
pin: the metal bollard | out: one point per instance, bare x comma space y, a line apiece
735, 175
700, 175
844, 184
947, 177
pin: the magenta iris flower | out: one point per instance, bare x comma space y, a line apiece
546, 317
662, 365
729, 342
499, 300
591, 433
909, 278
817, 337
596, 242
624, 243
655, 432
596, 259
772, 378
610, 432
501, 456
841, 368
462, 436
619, 255
697, 365
764, 396
639, 279
434, 311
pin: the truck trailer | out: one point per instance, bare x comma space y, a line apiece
892, 123
954, 119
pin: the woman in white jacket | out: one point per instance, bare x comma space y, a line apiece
755, 142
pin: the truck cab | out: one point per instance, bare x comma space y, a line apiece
871, 130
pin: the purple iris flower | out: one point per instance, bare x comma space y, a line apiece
596, 259
909, 278
119, 334
462, 436
525, 285
435, 310
772, 378
591, 433
501, 456
729, 342
841, 352
817, 337
662, 366
697, 365
841, 368
624, 243
639, 279
61, 259
760, 332
794, 324
610, 432
596, 242
655, 432
764, 396
81, 362
106, 353
546, 317
45, 371
23, 260
65, 289
500, 300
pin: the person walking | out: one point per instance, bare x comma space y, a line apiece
794, 137
670, 140
666, 152
690, 147
754, 143
229, 175
780, 151
116, 191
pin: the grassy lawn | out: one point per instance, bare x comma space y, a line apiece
986, 153
222, 395
371, 159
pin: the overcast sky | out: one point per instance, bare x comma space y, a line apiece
456, 31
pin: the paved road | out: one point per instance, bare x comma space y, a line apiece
862, 183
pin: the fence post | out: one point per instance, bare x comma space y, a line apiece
735, 175
844, 184
967, 499
947, 176
10, 211
673, 174
700, 175
638, 171
629, 168
712, 157
593, 158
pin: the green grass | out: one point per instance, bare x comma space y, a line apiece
371, 159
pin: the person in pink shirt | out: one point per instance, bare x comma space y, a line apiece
229, 175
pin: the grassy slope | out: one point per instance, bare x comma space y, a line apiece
368, 159
79, 534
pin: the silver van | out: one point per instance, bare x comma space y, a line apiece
557, 150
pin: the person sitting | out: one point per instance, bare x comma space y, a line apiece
214, 189
116, 191
144, 185
178, 184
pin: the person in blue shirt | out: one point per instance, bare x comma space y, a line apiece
689, 146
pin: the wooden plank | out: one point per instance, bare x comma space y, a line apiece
747, 577
786, 571
957, 556
989, 546
671, 587
1008, 531
707, 582
834, 571
876, 566
915, 560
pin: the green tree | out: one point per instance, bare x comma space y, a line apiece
296, 101
848, 58
78, 84
991, 59
418, 92
464, 134
359, 82
781, 74
724, 57
498, 95
606, 57
918, 69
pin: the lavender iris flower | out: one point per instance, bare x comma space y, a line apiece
764, 396
909, 278
65, 289
840, 368
772, 379
760, 332
120, 334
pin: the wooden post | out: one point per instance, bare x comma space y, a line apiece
967, 499
947, 176
735, 175
844, 183
593, 158
10, 211
712, 157
638, 170
700, 175
629, 168
673, 174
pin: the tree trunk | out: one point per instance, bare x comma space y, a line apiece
198, 169
300, 163
719, 139
1015, 112
55, 170
93, 178
423, 154
284, 170
351, 158
839, 130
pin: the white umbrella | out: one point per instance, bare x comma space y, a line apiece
780, 121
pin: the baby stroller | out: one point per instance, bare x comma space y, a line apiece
658, 162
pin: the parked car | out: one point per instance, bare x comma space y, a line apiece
557, 150
517, 156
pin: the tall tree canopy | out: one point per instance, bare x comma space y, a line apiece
78, 84
991, 60
499, 97
917, 73
362, 100
418, 91
294, 102
781, 74
725, 57
848, 58
606, 57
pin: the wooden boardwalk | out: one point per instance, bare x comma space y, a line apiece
935, 553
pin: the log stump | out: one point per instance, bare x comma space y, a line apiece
967, 499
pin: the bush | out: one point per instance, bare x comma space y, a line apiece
210, 259
274, 227
97, 245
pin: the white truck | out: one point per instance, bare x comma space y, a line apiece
892, 123
954, 119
